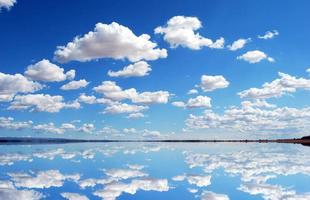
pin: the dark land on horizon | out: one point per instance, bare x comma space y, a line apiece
33, 140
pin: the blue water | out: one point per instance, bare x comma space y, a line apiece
155, 171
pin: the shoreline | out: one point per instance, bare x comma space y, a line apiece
22, 140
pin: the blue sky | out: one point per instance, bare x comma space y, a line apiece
130, 75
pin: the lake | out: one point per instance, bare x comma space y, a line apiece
207, 171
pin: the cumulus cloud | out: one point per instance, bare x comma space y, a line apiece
7, 4
308, 70
238, 44
10, 85
181, 31
9, 192
210, 83
208, 195
192, 91
74, 85
260, 117
43, 179
110, 41
73, 196
115, 189
87, 128
118, 108
284, 85
135, 115
198, 180
137, 69
197, 102
11, 124
119, 174
255, 57
41, 103
46, 71
268, 35
48, 128
114, 92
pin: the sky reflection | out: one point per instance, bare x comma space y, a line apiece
155, 171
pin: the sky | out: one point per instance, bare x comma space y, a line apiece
176, 69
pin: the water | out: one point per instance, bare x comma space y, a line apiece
155, 171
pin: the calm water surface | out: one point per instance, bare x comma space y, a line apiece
155, 171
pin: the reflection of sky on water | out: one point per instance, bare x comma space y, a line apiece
155, 171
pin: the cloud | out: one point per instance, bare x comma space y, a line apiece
210, 83
110, 41
43, 179
87, 99
46, 71
118, 108
207, 195
255, 57
114, 92
48, 128
181, 31
199, 181
11, 124
74, 85
120, 174
137, 69
284, 85
87, 128
7, 4
238, 44
308, 70
192, 91
41, 103
73, 196
115, 189
268, 35
135, 115
197, 102
10, 85
9, 192
151, 134
259, 117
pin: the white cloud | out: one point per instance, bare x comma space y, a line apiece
115, 189
210, 83
41, 103
112, 91
151, 134
46, 71
14, 194
308, 70
255, 57
135, 115
118, 108
87, 128
119, 174
197, 102
73, 196
199, 181
130, 130
192, 91
179, 104
48, 128
284, 85
10, 85
259, 117
11, 124
181, 31
268, 35
43, 179
7, 4
87, 99
110, 41
74, 85
207, 195
238, 44
137, 69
